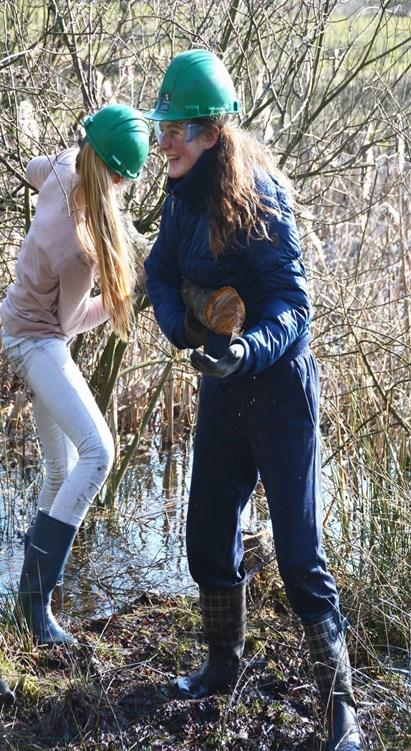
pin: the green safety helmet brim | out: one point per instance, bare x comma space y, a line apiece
120, 136
195, 84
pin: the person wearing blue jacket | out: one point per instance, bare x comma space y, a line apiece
228, 220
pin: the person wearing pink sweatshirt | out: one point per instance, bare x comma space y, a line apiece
76, 238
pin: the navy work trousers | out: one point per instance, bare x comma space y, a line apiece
263, 425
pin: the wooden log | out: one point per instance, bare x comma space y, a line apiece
220, 310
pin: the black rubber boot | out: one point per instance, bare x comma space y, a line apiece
332, 670
27, 535
6, 694
224, 615
49, 545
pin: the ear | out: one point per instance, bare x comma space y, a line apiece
211, 136
116, 178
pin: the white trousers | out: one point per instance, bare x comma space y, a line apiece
76, 441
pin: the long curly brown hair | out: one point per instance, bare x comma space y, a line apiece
235, 202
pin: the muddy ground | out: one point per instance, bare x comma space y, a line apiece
115, 691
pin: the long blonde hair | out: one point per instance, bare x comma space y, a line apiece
235, 202
103, 238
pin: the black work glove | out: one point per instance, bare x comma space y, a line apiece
224, 366
140, 294
194, 331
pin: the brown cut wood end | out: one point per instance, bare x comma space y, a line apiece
225, 311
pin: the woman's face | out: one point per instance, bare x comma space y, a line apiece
182, 143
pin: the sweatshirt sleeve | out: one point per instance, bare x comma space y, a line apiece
76, 310
38, 170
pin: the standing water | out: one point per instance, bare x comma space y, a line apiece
136, 546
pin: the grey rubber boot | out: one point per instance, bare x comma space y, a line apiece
224, 616
49, 545
332, 670
27, 535
6, 694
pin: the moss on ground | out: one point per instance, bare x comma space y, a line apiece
115, 690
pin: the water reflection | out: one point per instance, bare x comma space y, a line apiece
134, 547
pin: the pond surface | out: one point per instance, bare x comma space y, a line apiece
136, 546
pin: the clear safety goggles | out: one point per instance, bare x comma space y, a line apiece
177, 132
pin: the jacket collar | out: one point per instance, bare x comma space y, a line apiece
193, 188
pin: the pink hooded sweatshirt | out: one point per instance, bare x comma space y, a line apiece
51, 294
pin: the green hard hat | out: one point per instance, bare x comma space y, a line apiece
195, 84
120, 136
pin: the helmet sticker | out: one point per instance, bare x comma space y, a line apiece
164, 103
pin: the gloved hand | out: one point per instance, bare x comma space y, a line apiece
194, 331
224, 366
140, 295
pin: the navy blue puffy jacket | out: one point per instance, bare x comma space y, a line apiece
269, 275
